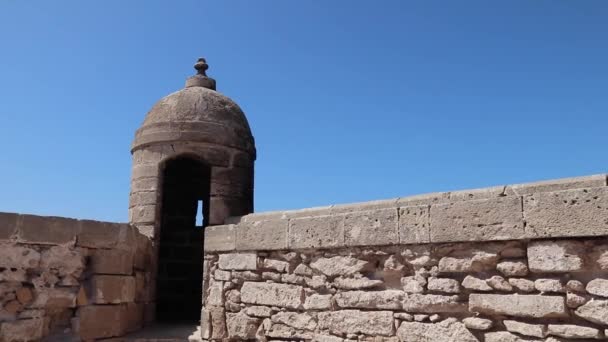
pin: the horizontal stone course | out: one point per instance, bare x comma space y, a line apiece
96, 234
48, 230
535, 210
592, 181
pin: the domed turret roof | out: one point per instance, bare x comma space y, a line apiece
196, 113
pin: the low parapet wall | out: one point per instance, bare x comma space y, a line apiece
510, 263
65, 279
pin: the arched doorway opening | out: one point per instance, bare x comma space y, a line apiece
185, 197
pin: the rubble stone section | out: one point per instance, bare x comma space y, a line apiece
475, 291
84, 280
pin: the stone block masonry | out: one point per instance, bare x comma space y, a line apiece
72, 279
573, 207
515, 263
402, 293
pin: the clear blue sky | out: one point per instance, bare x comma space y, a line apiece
348, 100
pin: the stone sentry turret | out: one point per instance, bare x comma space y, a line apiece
193, 155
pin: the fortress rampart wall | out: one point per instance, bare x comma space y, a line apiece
522, 262
65, 279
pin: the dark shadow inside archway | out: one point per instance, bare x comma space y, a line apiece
185, 192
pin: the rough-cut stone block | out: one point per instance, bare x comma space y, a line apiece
145, 184
258, 311
143, 198
24, 330
545, 285
220, 238
112, 261
557, 256
282, 332
317, 302
238, 261
143, 254
598, 287
142, 214
472, 261
479, 220
144, 171
371, 228
533, 306
592, 181
355, 321
316, 232
573, 331
500, 284
388, 299
582, 212
303, 321
430, 303
281, 295
473, 283
327, 338
505, 336
241, 326
8, 225
521, 284
445, 285
55, 298
413, 284
477, 323
595, 311
95, 234
107, 289
414, 224
215, 296
262, 235
48, 230
205, 324
101, 321
449, 330
276, 265
339, 266
534, 330
218, 323
513, 268
356, 283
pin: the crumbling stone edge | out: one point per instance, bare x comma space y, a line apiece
65, 279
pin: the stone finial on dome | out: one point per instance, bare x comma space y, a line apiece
201, 79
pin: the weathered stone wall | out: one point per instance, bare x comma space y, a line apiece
510, 263
64, 279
